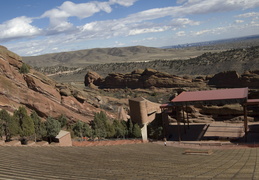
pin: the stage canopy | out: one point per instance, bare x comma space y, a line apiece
211, 97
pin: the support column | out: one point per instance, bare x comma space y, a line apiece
178, 123
187, 117
144, 133
183, 119
245, 121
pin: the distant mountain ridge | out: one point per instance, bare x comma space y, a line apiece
109, 55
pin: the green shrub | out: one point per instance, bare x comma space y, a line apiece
52, 127
26, 125
136, 131
24, 69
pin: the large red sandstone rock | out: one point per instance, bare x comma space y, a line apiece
92, 78
37, 92
231, 79
145, 79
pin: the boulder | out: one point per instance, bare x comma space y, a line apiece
229, 79
92, 78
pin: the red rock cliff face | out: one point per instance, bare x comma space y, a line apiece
140, 79
36, 92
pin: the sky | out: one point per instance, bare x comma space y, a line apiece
34, 27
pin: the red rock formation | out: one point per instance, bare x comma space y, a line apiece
143, 79
36, 92
231, 79
92, 78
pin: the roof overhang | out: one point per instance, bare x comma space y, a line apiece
211, 97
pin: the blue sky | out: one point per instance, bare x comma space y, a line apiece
33, 27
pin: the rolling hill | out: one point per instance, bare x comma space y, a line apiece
86, 57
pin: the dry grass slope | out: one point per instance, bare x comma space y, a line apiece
110, 55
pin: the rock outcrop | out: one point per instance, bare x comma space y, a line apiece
37, 92
141, 79
231, 79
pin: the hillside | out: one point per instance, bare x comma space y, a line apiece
37, 92
239, 60
86, 57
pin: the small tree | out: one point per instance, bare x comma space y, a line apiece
99, 125
155, 128
87, 131
110, 130
39, 126
136, 131
125, 128
5, 120
26, 125
24, 69
130, 128
119, 129
52, 127
78, 129
63, 120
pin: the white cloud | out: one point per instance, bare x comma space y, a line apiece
203, 32
180, 34
213, 6
19, 27
58, 16
147, 21
126, 3
147, 30
239, 21
84, 10
250, 14
181, 22
117, 43
148, 39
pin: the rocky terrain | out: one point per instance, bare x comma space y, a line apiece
141, 79
158, 81
37, 92
160, 87
239, 60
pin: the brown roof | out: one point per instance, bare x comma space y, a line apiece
252, 102
219, 96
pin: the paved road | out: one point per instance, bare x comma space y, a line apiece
134, 161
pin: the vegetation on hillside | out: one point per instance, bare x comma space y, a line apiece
25, 68
26, 127
208, 63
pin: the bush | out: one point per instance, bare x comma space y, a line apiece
25, 123
99, 125
155, 128
24, 69
62, 120
39, 126
136, 131
53, 127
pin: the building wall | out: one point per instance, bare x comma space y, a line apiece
143, 111
65, 140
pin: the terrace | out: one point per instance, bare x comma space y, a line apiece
134, 161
